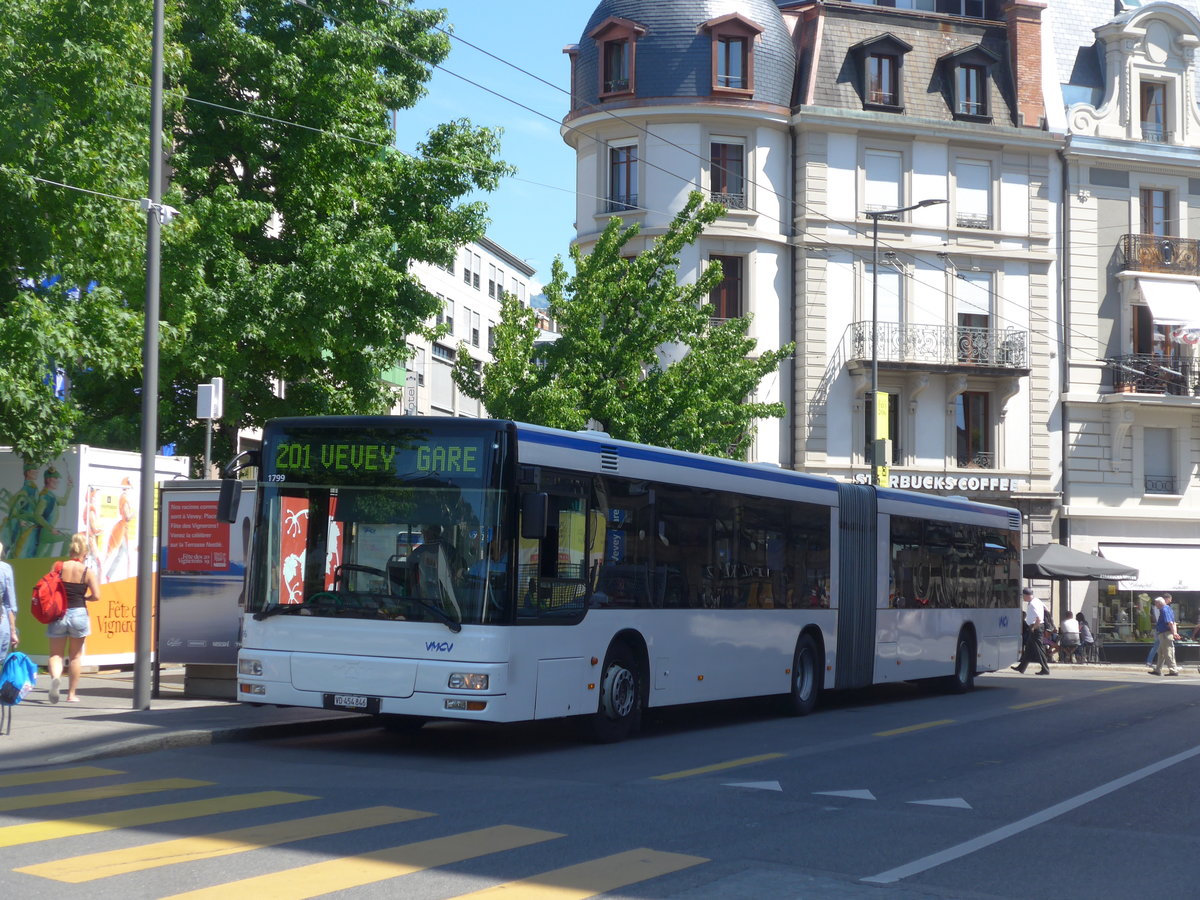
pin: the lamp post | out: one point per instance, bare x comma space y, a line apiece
874, 216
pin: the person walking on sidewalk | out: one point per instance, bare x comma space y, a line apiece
1035, 620
8, 608
1168, 634
1158, 602
82, 586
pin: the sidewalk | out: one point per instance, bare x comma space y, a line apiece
103, 722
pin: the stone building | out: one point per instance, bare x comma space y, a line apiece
815, 123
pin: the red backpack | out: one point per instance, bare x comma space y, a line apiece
49, 596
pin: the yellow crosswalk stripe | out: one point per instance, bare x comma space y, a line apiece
591, 878
370, 868
93, 866
52, 775
107, 792
135, 818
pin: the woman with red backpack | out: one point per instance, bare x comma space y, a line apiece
82, 587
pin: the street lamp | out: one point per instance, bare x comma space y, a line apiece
874, 216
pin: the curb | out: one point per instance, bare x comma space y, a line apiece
199, 737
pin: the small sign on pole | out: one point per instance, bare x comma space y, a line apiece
210, 404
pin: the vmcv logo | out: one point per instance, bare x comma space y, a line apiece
438, 646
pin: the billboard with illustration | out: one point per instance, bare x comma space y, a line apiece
88, 490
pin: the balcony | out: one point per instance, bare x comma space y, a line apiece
730, 199
1143, 373
947, 348
621, 203
1160, 484
1155, 253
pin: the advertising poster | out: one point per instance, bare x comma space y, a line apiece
202, 571
95, 492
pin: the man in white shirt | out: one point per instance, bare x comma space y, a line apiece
1035, 620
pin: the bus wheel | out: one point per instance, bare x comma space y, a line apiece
401, 724
620, 711
806, 678
963, 679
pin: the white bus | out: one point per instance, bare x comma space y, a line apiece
448, 568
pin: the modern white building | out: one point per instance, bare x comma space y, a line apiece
470, 292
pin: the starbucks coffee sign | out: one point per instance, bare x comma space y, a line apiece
989, 483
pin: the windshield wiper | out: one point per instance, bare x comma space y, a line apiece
274, 610
448, 620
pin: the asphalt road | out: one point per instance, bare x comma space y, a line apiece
1029, 787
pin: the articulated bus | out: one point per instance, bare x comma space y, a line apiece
419, 568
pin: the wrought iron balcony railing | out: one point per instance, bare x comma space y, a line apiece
1160, 484
1156, 134
942, 345
622, 203
1155, 253
1141, 373
980, 459
730, 199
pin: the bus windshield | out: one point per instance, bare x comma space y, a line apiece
392, 522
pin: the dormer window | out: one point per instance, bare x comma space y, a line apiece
616, 41
879, 62
733, 37
1154, 112
967, 72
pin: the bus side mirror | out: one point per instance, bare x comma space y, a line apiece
535, 511
227, 500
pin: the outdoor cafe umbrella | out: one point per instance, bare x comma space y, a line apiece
1057, 561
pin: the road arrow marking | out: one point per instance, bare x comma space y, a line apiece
952, 802
757, 785
853, 795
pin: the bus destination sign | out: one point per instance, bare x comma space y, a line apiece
445, 456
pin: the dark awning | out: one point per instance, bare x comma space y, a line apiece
1057, 561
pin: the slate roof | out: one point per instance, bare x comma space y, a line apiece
674, 56
1077, 53
836, 76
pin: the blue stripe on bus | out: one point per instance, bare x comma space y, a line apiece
677, 458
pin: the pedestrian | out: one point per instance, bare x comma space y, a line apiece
8, 608
1068, 638
1168, 634
1158, 604
1087, 640
1035, 620
82, 586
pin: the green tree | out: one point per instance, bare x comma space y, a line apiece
638, 351
70, 260
288, 264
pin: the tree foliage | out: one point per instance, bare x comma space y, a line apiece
289, 262
73, 114
638, 352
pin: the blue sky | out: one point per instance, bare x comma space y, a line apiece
532, 213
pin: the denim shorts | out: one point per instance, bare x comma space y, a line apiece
74, 623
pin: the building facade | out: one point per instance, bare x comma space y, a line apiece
817, 123
469, 292
1126, 94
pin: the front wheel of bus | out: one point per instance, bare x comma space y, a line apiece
806, 678
620, 711
963, 679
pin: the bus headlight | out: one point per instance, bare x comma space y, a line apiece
468, 681
249, 666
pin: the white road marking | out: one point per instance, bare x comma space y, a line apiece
952, 802
757, 785
1038, 818
853, 795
